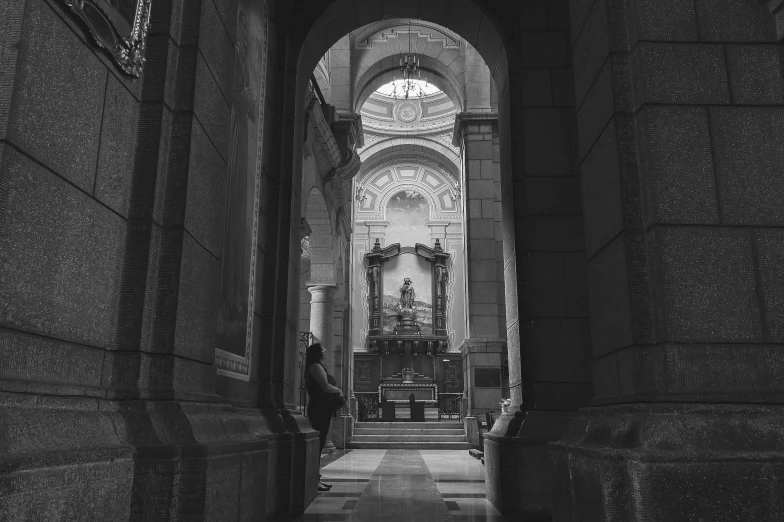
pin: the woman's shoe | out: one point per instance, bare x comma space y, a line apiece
325, 485
322, 487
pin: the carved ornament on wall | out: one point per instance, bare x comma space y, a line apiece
119, 26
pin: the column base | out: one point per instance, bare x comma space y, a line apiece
340, 430
517, 463
671, 462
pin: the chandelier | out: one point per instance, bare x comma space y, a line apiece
409, 67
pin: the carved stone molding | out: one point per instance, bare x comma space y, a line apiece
122, 36
465, 120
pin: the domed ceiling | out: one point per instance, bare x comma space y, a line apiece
408, 116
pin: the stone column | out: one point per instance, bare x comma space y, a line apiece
322, 326
477, 134
340, 349
322, 311
680, 142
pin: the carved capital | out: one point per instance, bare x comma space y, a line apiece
473, 123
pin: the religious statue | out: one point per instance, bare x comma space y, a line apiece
407, 295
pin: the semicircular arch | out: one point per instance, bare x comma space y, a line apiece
386, 69
422, 145
416, 174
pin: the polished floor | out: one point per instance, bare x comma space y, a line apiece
403, 485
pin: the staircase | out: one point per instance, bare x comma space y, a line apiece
409, 435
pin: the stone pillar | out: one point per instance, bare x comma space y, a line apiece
322, 326
681, 142
477, 134
548, 337
340, 349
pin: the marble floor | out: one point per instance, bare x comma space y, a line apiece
403, 485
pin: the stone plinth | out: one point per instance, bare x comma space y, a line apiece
671, 462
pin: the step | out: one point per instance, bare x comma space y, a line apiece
409, 425
402, 431
408, 438
411, 445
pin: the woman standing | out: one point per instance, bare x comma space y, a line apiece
320, 386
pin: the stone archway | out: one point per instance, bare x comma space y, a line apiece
499, 131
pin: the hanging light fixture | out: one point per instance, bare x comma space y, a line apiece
409, 68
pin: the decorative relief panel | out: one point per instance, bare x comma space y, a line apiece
119, 26
437, 186
407, 112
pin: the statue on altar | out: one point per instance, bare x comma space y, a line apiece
406, 309
407, 295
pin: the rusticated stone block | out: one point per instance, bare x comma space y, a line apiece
156, 483
704, 284
253, 482
596, 111
546, 141
755, 74
664, 20
205, 210
562, 350
676, 166
554, 233
63, 460
576, 291
682, 73
608, 290
215, 45
601, 192
116, 157
669, 463
62, 253
701, 373
731, 21
70, 369
769, 247
60, 130
749, 151
211, 108
592, 45
545, 276
209, 484
167, 377
172, 168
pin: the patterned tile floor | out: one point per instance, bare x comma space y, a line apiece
402, 485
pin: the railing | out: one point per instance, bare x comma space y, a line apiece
367, 405
450, 404
304, 342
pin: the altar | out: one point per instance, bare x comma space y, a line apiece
407, 339
400, 392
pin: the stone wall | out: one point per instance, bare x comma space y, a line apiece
112, 193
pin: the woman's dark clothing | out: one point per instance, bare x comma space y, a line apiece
319, 412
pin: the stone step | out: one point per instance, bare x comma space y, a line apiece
410, 445
402, 431
408, 438
410, 425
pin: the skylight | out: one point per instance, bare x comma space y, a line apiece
427, 88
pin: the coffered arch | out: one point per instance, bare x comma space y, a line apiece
413, 173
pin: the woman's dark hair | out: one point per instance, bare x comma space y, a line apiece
313, 354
